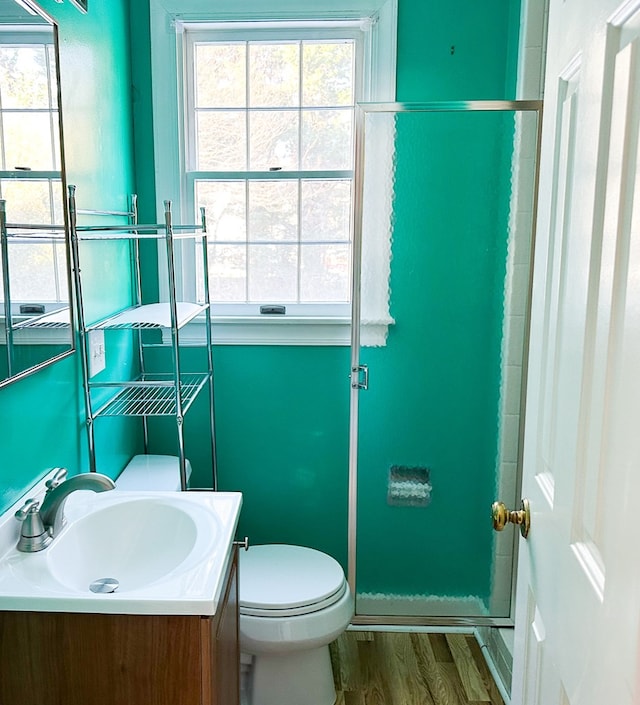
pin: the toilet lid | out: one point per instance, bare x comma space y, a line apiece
282, 580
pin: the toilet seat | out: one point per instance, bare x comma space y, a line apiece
280, 580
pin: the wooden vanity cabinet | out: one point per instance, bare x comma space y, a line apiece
51, 658
221, 680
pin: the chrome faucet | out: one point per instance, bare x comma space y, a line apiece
43, 523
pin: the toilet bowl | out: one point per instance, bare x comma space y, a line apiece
294, 601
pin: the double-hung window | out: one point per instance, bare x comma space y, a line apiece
30, 170
270, 153
263, 136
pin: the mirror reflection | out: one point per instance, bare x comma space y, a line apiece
34, 292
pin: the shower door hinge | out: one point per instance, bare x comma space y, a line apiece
360, 377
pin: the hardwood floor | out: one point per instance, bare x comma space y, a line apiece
400, 668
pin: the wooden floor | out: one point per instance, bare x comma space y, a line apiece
390, 668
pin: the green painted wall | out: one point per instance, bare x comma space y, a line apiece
41, 418
457, 51
27, 356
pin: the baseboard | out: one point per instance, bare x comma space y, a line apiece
497, 647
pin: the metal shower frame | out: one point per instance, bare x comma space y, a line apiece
531, 106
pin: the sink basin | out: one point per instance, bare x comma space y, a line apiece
136, 542
160, 553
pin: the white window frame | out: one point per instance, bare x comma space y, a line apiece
376, 20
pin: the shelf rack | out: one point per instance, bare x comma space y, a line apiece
25, 233
147, 395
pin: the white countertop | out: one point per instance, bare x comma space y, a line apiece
57, 578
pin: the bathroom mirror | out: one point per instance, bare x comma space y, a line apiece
82, 5
35, 314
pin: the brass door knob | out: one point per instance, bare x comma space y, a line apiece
502, 516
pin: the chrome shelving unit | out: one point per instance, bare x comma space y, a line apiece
25, 234
146, 395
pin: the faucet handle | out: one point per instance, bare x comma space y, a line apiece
31, 506
57, 479
33, 536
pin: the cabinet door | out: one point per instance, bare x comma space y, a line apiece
220, 651
99, 659
227, 655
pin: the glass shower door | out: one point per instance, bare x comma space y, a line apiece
444, 221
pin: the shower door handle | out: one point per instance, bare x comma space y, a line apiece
360, 377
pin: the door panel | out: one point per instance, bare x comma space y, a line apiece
580, 565
438, 425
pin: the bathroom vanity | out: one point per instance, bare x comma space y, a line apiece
111, 659
166, 635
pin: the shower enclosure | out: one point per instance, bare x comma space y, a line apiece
444, 221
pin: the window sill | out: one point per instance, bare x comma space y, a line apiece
281, 330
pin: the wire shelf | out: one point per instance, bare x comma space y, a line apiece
152, 395
57, 319
150, 316
137, 232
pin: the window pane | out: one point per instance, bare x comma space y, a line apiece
227, 272
221, 75
326, 139
326, 210
27, 141
324, 273
32, 272
274, 78
226, 208
327, 74
24, 78
274, 140
28, 201
221, 141
273, 210
60, 253
273, 273
55, 131
58, 202
53, 80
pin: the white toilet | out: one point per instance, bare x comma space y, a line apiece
294, 601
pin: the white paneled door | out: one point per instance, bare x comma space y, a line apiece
578, 597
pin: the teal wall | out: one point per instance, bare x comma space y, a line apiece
457, 51
41, 417
27, 356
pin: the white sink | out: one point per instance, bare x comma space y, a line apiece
161, 553
138, 542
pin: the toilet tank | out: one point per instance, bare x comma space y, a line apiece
156, 473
